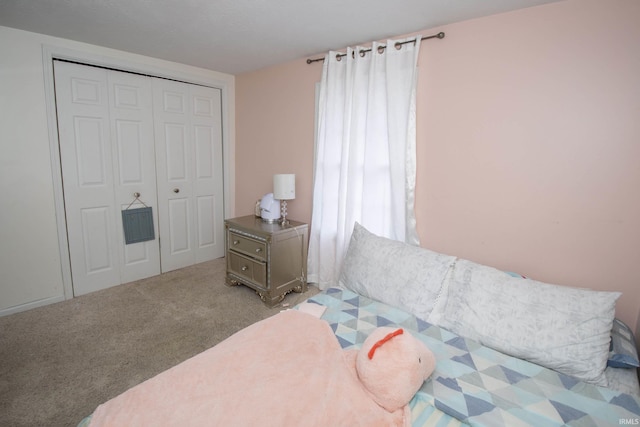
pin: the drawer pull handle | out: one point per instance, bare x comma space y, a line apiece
258, 250
244, 268
235, 242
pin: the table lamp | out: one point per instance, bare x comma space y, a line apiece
284, 188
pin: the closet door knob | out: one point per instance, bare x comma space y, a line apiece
176, 190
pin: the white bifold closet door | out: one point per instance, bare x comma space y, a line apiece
114, 144
189, 170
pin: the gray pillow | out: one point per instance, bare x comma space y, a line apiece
395, 273
562, 328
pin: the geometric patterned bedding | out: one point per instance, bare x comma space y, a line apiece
475, 385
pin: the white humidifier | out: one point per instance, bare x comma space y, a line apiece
269, 208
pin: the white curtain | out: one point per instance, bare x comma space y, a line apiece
365, 160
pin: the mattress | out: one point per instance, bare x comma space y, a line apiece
475, 385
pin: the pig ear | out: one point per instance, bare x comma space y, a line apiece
384, 340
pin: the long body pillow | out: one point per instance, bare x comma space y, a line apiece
395, 273
562, 328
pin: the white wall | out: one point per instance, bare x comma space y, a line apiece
33, 269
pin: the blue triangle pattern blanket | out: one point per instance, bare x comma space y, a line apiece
476, 385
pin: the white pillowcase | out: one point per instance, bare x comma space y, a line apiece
562, 328
395, 273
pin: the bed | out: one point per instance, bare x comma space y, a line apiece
510, 351
476, 385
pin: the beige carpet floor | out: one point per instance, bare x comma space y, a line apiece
58, 362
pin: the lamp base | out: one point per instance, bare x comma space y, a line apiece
283, 211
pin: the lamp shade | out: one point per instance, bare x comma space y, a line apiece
284, 186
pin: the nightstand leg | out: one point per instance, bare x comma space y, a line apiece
271, 301
231, 282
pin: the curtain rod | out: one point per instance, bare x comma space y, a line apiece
440, 35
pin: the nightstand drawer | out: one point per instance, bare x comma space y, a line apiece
246, 267
247, 246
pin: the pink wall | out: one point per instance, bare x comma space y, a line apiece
275, 125
528, 142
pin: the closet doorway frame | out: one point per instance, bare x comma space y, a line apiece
155, 68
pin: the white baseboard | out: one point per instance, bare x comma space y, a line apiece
30, 305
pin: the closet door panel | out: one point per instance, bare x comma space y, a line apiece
129, 148
131, 111
90, 151
179, 219
88, 182
206, 229
177, 153
189, 161
96, 235
177, 191
207, 186
139, 253
174, 152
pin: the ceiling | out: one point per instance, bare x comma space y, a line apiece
237, 36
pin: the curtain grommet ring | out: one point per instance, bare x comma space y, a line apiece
398, 45
381, 49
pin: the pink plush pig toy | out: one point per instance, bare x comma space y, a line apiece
392, 365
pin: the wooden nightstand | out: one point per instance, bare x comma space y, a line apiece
269, 258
